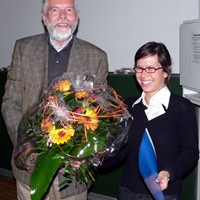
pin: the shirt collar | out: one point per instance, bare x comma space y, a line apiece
162, 96
57, 48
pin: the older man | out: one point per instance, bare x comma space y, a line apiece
37, 60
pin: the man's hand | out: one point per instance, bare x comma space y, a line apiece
25, 157
30, 162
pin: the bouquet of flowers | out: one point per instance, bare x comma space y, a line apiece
76, 118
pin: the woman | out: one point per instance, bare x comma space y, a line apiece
171, 123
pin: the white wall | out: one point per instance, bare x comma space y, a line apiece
18, 18
119, 27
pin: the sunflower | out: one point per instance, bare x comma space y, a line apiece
46, 125
61, 135
80, 95
63, 85
90, 119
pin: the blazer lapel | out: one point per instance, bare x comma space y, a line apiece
39, 66
41, 58
76, 60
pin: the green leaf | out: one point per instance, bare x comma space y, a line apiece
69, 96
45, 168
86, 104
85, 172
93, 144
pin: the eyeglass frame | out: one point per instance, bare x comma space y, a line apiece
145, 69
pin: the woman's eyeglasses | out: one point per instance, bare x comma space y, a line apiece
147, 69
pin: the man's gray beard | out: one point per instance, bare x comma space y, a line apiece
60, 36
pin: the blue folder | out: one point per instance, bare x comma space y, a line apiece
148, 166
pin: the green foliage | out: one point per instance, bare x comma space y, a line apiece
92, 145
70, 125
45, 169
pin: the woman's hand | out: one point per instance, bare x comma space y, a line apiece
163, 179
75, 164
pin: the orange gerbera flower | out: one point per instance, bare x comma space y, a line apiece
80, 95
63, 85
46, 125
62, 135
90, 119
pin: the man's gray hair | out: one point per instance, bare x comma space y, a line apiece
45, 4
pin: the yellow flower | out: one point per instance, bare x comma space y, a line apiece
62, 135
80, 95
90, 120
67, 93
46, 125
63, 85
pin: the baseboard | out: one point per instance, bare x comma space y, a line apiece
7, 173
95, 196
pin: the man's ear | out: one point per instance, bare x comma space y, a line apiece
43, 18
78, 14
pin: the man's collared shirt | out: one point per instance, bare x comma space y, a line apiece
57, 48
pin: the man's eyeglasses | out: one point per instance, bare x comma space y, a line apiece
147, 69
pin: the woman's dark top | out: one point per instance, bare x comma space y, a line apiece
175, 137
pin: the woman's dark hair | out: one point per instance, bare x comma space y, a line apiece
159, 49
